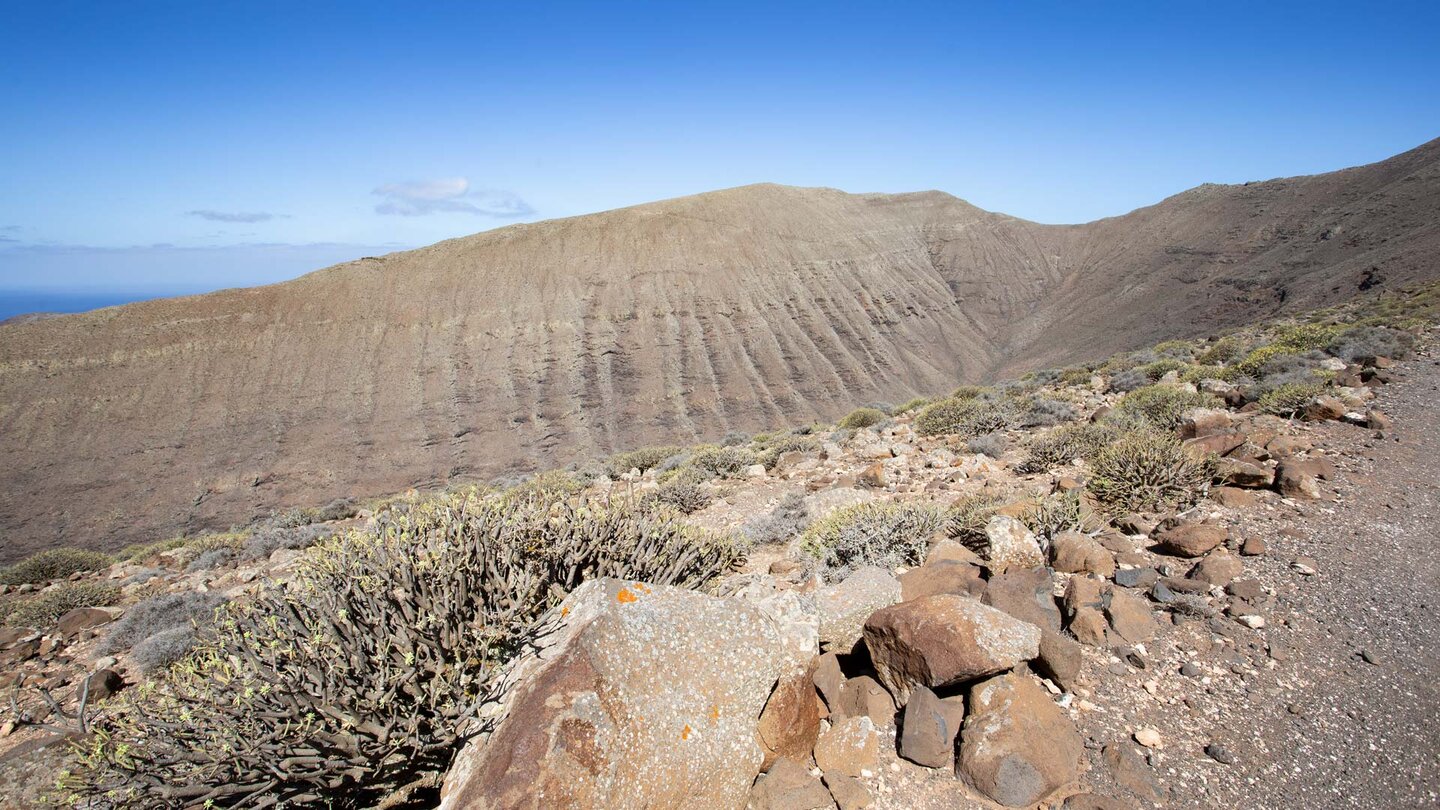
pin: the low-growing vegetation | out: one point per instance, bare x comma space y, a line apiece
362, 676
1148, 471
873, 533
51, 564
41, 610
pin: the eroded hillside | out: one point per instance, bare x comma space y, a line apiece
557, 342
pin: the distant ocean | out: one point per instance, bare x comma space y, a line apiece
24, 302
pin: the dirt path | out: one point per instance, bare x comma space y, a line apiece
1362, 730
1335, 703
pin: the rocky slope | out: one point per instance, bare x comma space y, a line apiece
1194, 659
540, 345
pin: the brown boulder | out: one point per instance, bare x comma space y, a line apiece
1130, 617
1060, 660
929, 729
1218, 445
1025, 594
1190, 539
848, 792
1323, 409
1238, 473
1202, 422
1076, 553
647, 680
874, 476
1018, 748
788, 785
790, 722
962, 579
1233, 497
865, 697
74, 621
944, 639
1217, 568
1296, 479
849, 747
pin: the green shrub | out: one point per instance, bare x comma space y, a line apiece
683, 493
910, 405
137, 552
1257, 358
642, 459
1224, 350
1289, 399
1147, 471
1163, 405
1066, 444
968, 391
967, 517
1058, 512
1160, 368
1195, 374
874, 533
551, 485
1304, 337
365, 672
42, 610
1177, 349
1076, 375
725, 462
966, 417
863, 418
784, 443
55, 563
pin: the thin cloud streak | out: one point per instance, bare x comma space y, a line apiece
235, 216
450, 195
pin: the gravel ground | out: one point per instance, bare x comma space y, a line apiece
1335, 702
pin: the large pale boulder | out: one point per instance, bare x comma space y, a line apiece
944, 639
649, 680
1017, 747
1008, 544
845, 605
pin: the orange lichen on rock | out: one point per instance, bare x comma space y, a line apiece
685, 732
625, 596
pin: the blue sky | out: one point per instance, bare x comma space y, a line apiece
164, 147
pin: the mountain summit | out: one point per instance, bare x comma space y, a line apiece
540, 344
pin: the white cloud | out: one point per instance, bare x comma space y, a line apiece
235, 216
450, 195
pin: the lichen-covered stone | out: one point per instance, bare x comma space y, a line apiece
944, 639
1017, 747
845, 605
651, 681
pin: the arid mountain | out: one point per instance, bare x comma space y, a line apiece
537, 345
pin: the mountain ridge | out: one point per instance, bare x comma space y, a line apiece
538, 344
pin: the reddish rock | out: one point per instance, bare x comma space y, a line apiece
74, 621
929, 729
788, 785
947, 550
1060, 660
1076, 553
1218, 445
102, 684
790, 722
849, 793
945, 639
1233, 497
1217, 568
1322, 409
1017, 748
1253, 546
1239, 473
1130, 617
873, 476
1190, 539
865, 697
844, 606
1287, 446
1024, 593
645, 680
829, 679
849, 747
959, 578
1298, 478
1202, 422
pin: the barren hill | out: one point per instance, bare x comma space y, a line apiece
541, 344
